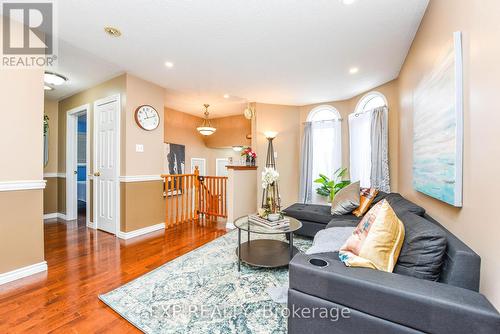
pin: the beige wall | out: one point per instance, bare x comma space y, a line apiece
51, 110
50, 196
149, 162
21, 105
21, 222
286, 121
475, 222
231, 131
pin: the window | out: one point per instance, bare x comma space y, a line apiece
370, 101
360, 137
327, 143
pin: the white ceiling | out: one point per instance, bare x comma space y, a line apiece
292, 52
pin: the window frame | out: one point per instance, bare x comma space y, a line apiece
316, 110
363, 101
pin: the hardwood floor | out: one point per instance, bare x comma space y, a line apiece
84, 263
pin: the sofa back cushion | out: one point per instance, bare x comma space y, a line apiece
402, 205
423, 249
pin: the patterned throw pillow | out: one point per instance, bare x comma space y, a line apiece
377, 240
346, 200
366, 199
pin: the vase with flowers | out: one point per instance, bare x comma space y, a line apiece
249, 155
271, 207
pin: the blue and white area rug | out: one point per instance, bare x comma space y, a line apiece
203, 292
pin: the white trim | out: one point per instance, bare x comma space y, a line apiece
23, 272
71, 157
55, 215
140, 178
47, 175
230, 226
328, 107
141, 231
109, 99
459, 109
91, 225
22, 185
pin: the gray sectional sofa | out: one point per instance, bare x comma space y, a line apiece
433, 289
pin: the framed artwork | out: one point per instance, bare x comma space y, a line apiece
438, 128
175, 163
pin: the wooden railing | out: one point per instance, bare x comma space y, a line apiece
213, 190
191, 198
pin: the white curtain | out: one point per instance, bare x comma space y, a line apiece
360, 148
327, 152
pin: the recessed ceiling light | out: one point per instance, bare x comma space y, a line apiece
169, 64
354, 70
55, 79
113, 32
226, 96
347, 2
45, 87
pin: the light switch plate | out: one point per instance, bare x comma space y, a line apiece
139, 148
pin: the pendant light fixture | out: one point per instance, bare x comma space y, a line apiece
206, 128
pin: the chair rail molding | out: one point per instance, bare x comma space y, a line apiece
22, 185
141, 178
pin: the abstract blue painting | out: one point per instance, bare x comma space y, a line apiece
438, 128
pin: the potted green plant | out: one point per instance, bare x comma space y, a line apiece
330, 187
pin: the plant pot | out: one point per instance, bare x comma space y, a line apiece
273, 217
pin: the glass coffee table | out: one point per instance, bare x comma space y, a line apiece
266, 253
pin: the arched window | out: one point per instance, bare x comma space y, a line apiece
361, 125
370, 101
327, 144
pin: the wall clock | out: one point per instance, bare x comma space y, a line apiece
147, 117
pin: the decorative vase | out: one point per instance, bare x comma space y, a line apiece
252, 162
273, 217
248, 161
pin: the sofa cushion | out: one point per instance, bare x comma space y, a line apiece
401, 205
367, 197
346, 200
311, 212
423, 249
344, 220
377, 240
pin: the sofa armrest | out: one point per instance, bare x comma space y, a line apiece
420, 304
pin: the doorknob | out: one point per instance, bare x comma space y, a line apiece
75, 172
97, 174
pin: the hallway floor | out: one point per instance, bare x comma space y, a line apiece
84, 263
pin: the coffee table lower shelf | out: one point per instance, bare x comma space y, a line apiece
266, 253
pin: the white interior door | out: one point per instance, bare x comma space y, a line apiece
201, 163
220, 167
106, 163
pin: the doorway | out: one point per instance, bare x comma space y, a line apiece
106, 176
77, 162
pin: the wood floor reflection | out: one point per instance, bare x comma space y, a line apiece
84, 263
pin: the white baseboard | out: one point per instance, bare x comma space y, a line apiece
23, 272
55, 215
230, 226
141, 231
91, 225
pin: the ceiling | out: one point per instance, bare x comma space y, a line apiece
291, 52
